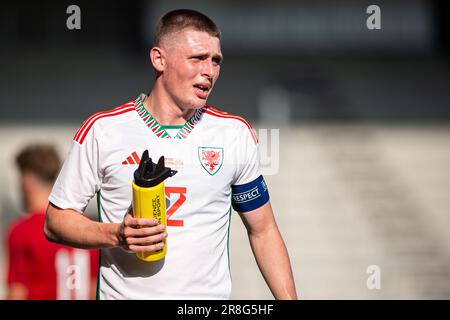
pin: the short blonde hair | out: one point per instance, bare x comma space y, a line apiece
177, 20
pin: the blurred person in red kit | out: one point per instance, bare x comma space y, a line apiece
38, 269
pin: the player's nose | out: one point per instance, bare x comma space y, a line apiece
208, 68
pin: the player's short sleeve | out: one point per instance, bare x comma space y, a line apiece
80, 177
249, 190
248, 166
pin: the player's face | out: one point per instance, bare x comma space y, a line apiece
192, 67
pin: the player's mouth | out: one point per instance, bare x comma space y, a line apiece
202, 89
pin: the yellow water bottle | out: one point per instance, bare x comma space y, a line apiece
148, 197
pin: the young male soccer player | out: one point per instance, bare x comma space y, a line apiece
38, 269
216, 156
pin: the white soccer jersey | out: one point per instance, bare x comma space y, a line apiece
212, 152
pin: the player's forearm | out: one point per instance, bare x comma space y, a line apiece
70, 228
273, 261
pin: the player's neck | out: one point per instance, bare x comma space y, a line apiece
37, 204
165, 110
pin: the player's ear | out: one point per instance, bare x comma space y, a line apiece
157, 58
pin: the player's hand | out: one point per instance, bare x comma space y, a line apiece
141, 235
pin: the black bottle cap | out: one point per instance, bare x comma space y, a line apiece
150, 174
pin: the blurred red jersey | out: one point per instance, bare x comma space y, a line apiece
48, 270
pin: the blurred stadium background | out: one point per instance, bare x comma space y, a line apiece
363, 118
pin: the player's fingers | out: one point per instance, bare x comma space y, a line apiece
128, 217
144, 232
150, 248
145, 241
140, 222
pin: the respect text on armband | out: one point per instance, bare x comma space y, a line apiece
249, 196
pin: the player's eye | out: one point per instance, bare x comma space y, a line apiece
198, 58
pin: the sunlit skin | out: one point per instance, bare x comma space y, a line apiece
187, 65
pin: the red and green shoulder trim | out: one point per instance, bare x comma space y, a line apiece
82, 132
225, 115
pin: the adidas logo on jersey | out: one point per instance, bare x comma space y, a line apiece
132, 159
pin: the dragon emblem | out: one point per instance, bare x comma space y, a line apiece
211, 159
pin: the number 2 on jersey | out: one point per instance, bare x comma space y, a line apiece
181, 191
